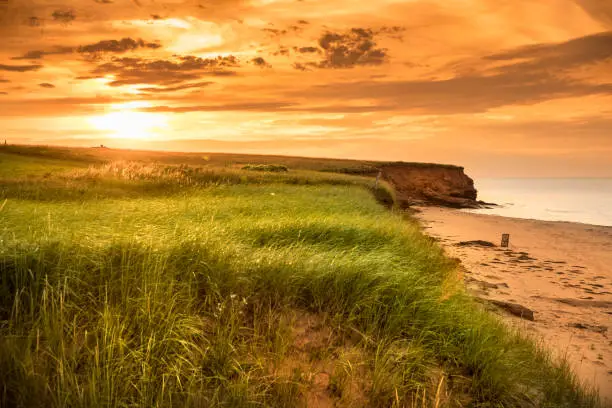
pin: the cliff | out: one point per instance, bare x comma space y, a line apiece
431, 184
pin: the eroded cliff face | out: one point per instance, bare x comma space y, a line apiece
431, 184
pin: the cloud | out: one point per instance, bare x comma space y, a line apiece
274, 31
63, 16
594, 129
250, 106
600, 10
129, 71
46, 85
562, 56
260, 62
306, 50
20, 68
276, 106
523, 75
117, 46
105, 46
462, 94
356, 47
282, 50
176, 88
3, 93
57, 106
4, 81
305, 66
34, 55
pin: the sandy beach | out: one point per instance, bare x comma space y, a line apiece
559, 270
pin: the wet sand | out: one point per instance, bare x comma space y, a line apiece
561, 271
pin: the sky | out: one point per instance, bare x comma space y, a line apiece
503, 87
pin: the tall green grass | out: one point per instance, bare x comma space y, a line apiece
238, 292
134, 179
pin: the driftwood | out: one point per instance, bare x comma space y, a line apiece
477, 242
512, 308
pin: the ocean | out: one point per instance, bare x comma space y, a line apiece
584, 200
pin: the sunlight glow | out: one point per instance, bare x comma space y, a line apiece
125, 123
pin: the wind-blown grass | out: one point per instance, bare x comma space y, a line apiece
233, 292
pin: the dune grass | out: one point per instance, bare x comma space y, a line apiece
282, 289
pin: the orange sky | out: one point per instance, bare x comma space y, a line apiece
504, 87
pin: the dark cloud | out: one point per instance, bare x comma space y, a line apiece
305, 66
35, 21
601, 10
274, 31
306, 50
356, 47
563, 56
20, 68
222, 73
46, 85
3, 81
117, 46
462, 94
63, 16
130, 71
34, 55
260, 62
395, 32
527, 75
3, 93
282, 50
105, 46
104, 1
303, 22
176, 88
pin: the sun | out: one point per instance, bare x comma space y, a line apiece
126, 123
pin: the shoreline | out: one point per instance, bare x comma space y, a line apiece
560, 270
475, 211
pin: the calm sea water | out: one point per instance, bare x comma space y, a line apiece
585, 200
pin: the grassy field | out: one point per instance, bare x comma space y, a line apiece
159, 284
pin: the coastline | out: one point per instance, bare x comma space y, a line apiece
560, 270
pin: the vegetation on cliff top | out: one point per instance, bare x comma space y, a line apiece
142, 284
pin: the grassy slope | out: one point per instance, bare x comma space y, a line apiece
15, 166
97, 155
157, 287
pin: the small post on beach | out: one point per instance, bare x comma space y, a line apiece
505, 240
377, 179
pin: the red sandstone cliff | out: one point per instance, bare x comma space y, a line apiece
430, 184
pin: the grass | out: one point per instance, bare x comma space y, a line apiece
165, 285
266, 167
17, 167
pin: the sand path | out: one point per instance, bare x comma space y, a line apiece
562, 271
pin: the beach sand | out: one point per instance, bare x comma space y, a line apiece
561, 271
